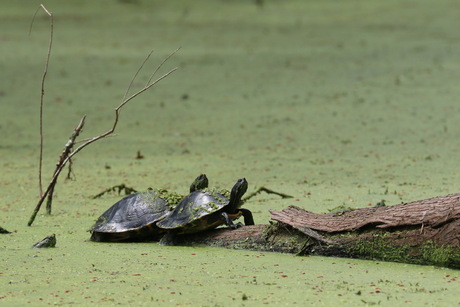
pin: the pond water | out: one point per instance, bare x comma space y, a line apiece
333, 102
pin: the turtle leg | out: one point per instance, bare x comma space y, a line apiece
229, 222
248, 219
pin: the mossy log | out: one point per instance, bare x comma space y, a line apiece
419, 232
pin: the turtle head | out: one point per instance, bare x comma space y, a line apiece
201, 182
238, 190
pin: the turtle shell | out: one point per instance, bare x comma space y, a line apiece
134, 216
203, 209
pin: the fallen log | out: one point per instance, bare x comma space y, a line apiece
420, 232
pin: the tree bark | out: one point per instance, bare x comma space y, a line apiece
419, 232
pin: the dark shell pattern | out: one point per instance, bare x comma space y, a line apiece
134, 214
194, 207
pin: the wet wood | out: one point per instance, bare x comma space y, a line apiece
433, 212
421, 232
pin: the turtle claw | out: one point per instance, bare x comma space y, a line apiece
229, 221
237, 225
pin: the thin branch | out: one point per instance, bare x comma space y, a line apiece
161, 64
40, 163
117, 114
63, 159
152, 75
266, 190
65, 153
135, 75
141, 91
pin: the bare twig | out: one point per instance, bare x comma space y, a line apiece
69, 152
135, 75
152, 75
116, 188
268, 191
40, 163
161, 65
65, 153
63, 159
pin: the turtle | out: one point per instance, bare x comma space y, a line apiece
133, 218
206, 209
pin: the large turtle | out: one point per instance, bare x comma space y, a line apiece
207, 209
134, 217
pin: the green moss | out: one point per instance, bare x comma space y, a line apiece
285, 238
217, 193
198, 211
441, 255
381, 248
171, 198
339, 210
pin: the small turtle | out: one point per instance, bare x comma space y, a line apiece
207, 209
134, 217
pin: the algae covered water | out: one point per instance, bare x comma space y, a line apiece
334, 102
